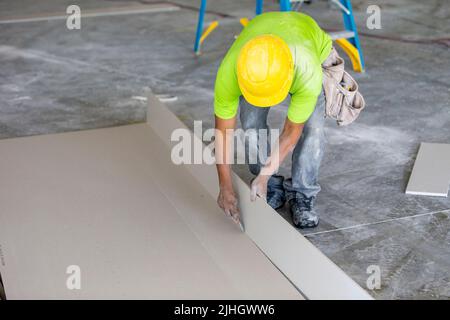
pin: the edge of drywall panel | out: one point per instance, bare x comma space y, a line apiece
314, 274
430, 194
417, 174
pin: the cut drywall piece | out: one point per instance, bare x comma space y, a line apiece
110, 202
316, 276
431, 172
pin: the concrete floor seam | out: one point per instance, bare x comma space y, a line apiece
378, 222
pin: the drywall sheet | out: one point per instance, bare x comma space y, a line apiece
110, 206
431, 172
316, 276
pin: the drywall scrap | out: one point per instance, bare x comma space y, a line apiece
108, 211
431, 172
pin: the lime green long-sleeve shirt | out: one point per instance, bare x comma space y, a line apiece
310, 46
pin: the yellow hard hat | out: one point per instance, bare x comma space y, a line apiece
265, 70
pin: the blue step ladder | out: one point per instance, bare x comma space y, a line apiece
347, 39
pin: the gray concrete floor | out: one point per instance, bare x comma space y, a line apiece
54, 80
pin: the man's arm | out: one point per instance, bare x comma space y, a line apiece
227, 199
287, 141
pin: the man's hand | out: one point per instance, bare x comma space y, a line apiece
259, 187
287, 142
227, 200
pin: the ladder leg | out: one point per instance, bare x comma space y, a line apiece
352, 53
259, 6
285, 5
198, 35
208, 30
350, 24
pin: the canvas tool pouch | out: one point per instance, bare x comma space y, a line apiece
343, 100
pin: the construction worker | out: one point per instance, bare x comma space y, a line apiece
276, 55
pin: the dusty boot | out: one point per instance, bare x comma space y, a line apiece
303, 213
275, 192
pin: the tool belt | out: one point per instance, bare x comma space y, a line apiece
343, 100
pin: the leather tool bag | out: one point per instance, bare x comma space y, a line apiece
343, 100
